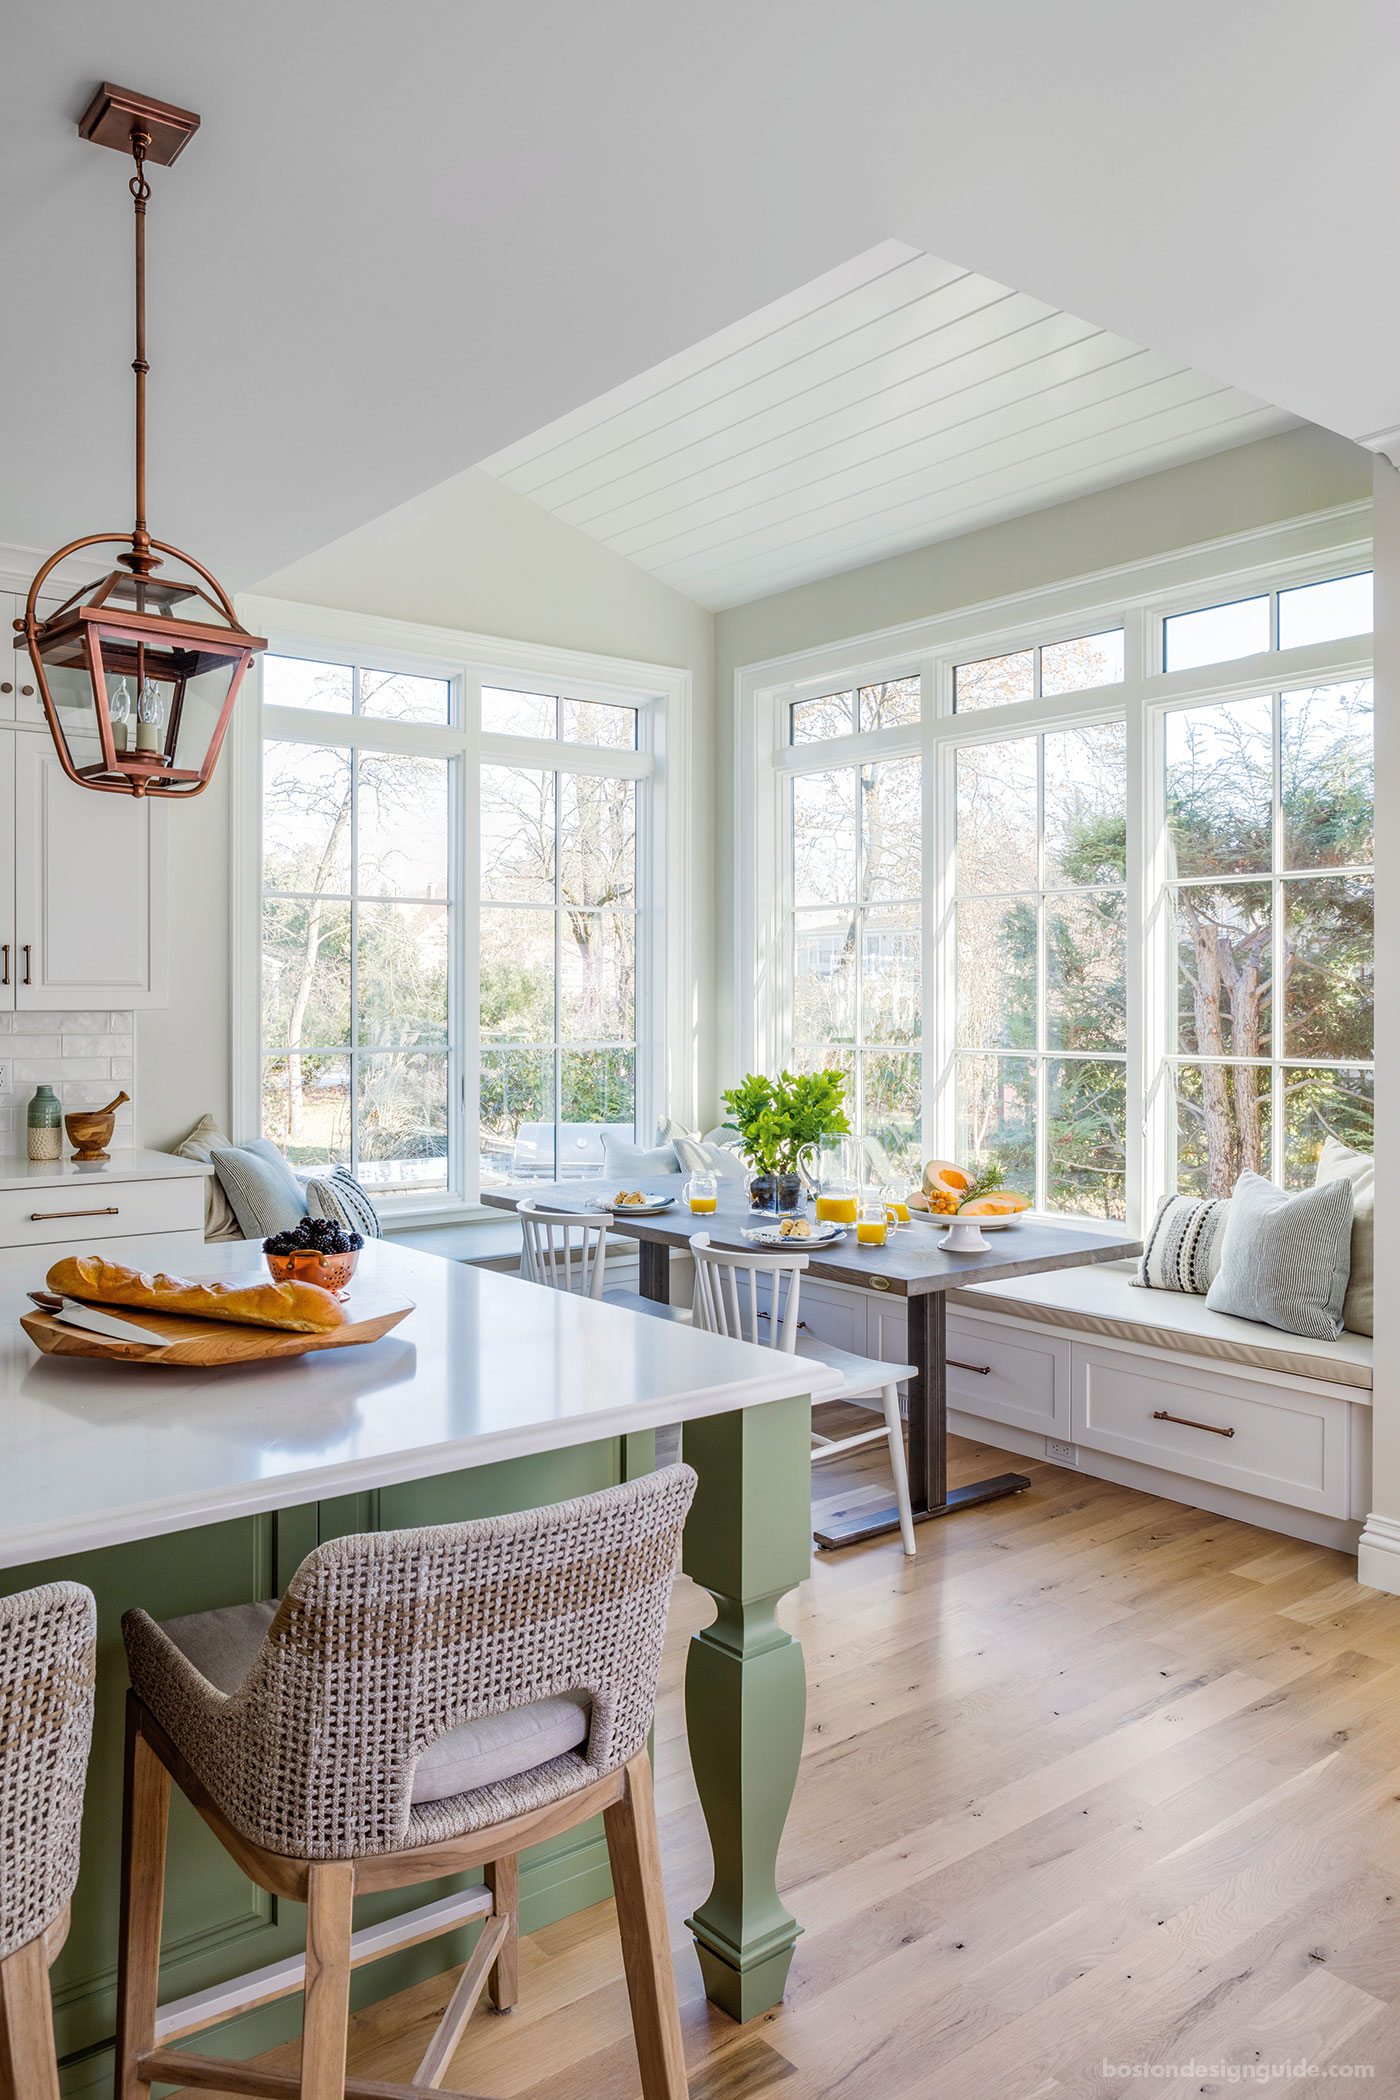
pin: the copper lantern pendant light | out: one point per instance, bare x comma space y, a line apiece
138, 682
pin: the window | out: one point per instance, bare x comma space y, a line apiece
1041, 964
891, 705
1269, 829
855, 942
558, 969
355, 961
452, 980
1118, 943
1027, 674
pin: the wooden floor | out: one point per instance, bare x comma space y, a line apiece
1098, 1781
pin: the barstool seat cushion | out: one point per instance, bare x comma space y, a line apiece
223, 1645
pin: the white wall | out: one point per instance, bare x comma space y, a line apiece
1378, 1561
1253, 485
470, 554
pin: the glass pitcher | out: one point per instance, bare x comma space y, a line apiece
835, 1173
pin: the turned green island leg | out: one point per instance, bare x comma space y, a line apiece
747, 1541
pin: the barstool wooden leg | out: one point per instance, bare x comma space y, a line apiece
326, 2015
635, 1856
503, 1879
29, 2065
145, 1813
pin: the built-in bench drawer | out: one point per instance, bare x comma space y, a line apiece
1008, 1375
64, 1213
1264, 1439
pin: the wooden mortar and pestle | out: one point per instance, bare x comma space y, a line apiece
89, 1129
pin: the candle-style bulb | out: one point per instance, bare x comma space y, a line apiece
150, 714
119, 708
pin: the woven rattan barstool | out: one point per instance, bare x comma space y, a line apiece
48, 1641
418, 1704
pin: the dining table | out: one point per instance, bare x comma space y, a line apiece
911, 1267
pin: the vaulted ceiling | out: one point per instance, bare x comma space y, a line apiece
406, 238
894, 402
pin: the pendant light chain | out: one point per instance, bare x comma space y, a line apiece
140, 192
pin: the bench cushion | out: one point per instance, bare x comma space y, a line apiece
223, 1646
1103, 1300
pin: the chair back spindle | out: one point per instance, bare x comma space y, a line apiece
564, 1250
720, 1301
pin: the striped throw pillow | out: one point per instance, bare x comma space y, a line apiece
343, 1199
1182, 1250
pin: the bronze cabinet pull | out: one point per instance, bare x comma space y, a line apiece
1159, 1414
25, 952
28, 691
6, 687
5, 973
40, 1217
982, 1370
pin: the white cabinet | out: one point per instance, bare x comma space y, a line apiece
83, 905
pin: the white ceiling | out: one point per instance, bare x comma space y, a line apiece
896, 401
405, 238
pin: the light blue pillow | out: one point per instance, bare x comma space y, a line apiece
265, 1193
626, 1162
1284, 1260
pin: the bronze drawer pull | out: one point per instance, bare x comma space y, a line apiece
5, 950
40, 1217
1159, 1414
25, 953
982, 1370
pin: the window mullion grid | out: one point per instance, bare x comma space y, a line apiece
857, 946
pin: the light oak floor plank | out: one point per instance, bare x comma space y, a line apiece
1098, 1780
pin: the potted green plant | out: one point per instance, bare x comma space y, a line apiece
775, 1120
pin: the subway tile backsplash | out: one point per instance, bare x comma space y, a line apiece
85, 1057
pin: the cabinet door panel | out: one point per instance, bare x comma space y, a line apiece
8, 972
89, 879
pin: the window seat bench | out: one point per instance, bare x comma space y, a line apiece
1105, 1301
1147, 1388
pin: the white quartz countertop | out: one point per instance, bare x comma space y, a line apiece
486, 1367
130, 1163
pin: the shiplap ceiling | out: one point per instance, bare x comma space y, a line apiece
893, 402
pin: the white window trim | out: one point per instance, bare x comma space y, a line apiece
665, 959
1138, 596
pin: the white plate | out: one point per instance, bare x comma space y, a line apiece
772, 1236
649, 1209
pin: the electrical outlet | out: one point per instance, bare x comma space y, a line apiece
4, 1077
1063, 1454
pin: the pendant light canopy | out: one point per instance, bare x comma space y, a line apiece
138, 674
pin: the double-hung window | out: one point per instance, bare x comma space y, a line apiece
461, 948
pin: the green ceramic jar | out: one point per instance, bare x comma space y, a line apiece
44, 1131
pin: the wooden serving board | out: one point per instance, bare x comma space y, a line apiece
370, 1312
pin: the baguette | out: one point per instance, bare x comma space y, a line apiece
303, 1308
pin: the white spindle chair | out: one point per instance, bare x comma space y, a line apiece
729, 1298
564, 1250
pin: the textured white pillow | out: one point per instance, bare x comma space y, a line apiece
632, 1163
699, 1156
1339, 1163
220, 1222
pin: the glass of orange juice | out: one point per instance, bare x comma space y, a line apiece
837, 1206
896, 1207
872, 1223
702, 1193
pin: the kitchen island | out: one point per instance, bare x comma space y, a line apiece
182, 1490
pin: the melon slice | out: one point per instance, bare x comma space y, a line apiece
942, 1177
1002, 1203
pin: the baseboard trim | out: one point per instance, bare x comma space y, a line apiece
1378, 1555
